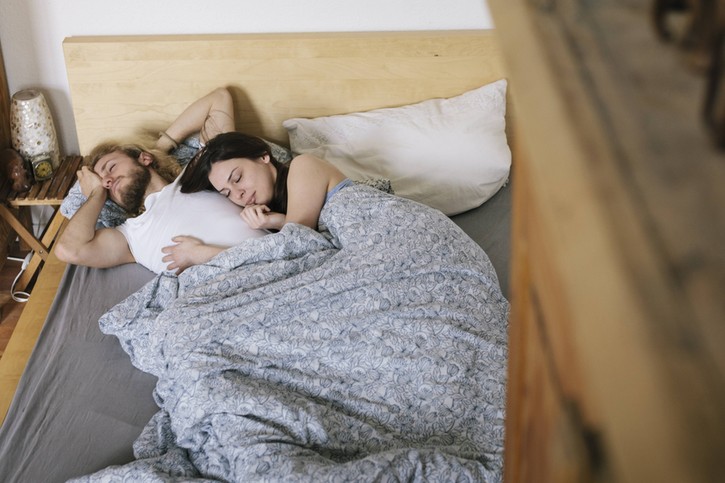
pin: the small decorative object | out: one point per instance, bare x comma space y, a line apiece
15, 168
42, 167
33, 132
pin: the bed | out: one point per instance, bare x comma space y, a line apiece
81, 404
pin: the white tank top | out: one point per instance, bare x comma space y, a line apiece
205, 215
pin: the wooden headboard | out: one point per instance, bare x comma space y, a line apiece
123, 85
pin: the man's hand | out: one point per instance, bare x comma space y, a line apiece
89, 181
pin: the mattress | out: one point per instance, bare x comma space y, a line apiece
81, 404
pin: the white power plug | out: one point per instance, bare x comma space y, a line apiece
26, 261
20, 296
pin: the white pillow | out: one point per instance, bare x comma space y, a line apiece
450, 154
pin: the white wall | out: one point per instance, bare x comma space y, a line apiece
31, 31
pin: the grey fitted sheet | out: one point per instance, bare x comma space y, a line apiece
490, 226
80, 403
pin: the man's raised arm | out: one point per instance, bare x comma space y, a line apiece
210, 115
81, 244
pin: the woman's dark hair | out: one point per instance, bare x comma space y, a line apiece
232, 145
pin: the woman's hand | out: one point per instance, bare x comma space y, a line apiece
260, 217
188, 251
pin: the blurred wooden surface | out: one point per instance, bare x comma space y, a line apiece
617, 360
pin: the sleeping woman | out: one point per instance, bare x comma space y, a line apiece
243, 169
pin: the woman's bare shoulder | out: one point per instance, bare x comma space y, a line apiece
307, 168
306, 160
309, 164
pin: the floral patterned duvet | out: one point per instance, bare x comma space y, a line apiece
372, 350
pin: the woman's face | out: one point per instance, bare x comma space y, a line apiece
244, 181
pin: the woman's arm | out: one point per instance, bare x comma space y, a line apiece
211, 115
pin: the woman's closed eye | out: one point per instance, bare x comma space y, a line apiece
235, 176
226, 191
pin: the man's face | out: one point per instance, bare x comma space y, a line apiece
125, 178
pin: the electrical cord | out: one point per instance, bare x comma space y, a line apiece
20, 296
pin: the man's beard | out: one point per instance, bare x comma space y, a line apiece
134, 194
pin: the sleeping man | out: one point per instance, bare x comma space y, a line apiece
144, 181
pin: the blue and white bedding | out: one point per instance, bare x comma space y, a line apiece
372, 350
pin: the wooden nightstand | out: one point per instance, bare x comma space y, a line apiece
46, 193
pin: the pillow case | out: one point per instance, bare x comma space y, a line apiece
450, 154
113, 215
